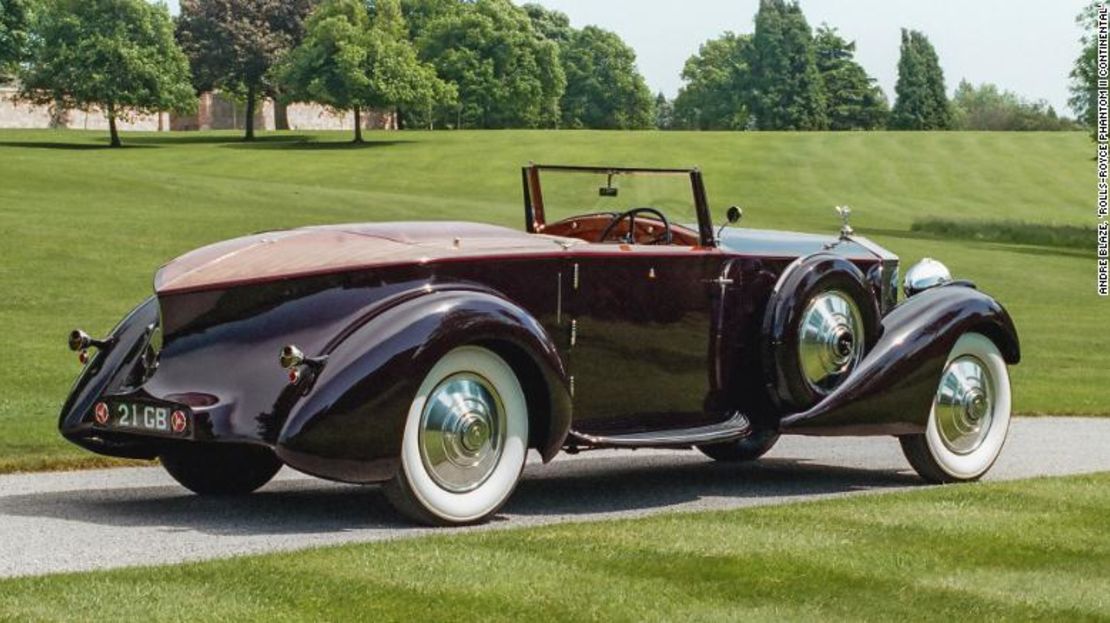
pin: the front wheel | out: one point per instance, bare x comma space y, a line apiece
221, 469
970, 417
465, 441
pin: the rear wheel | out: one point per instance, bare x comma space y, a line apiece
465, 441
970, 417
220, 469
743, 450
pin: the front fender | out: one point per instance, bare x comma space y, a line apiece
892, 390
349, 426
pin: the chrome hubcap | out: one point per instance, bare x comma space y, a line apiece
965, 405
462, 432
830, 343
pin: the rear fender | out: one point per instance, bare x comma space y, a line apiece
350, 425
892, 390
107, 372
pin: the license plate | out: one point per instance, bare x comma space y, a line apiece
143, 417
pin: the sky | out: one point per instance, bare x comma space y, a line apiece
1025, 46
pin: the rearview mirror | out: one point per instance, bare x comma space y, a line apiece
608, 191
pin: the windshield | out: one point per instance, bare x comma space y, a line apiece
567, 194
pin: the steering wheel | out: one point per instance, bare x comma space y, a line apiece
630, 237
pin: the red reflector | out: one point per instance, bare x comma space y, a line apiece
178, 421
294, 376
83, 357
100, 412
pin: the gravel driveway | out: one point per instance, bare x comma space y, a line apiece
137, 516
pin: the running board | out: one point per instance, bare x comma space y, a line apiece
736, 427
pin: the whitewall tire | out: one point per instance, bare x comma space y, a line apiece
465, 441
970, 418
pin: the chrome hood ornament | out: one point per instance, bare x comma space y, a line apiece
846, 230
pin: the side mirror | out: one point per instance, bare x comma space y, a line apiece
734, 215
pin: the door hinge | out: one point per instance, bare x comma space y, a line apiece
576, 277
559, 299
573, 333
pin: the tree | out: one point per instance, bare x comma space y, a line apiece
922, 103
419, 13
664, 113
349, 61
507, 75
989, 108
232, 44
15, 21
604, 89
853, 99
1084, 75
115, 55
787, 92
717, 80
553, 25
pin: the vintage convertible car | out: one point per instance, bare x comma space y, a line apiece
432, 356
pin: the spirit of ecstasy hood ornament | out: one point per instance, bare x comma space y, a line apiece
846, 230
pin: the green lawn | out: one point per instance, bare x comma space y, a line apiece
1034, 550
84, 227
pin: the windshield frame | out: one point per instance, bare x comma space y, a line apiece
535, 220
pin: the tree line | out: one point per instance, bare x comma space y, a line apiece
475, 64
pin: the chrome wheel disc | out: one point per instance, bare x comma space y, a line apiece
462, 432
830, 341
965, 405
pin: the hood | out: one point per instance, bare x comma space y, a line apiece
783, 244
338, 248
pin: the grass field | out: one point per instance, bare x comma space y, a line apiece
85, 227
1034, 550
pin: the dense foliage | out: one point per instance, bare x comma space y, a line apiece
787, 92
494, 64
664, 113
1084, 74
986, 107
349, 61
232, 44
854, 100
717, 81
922, 103
507, 74
116, 55
604, 88
15, 23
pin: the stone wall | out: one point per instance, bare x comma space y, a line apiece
15, 114
316, 117
214, 112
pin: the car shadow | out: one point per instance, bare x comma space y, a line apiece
574, 488
589, 489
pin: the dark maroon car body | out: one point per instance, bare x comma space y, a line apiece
615, 344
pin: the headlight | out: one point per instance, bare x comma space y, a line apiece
926, 274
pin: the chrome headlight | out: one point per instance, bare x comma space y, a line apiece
926, 274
